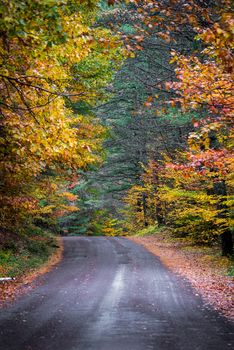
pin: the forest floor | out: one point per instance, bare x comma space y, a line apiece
208, 272
25, 269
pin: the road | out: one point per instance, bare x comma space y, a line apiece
111, 294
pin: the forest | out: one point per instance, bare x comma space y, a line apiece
116, 117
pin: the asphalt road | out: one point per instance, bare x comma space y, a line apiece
111, 294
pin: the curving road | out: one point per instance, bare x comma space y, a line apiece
111, 294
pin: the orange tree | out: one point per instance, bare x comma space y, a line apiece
198, 192
208, 84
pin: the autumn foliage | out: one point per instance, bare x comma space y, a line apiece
50, 52
56, 61
192, 191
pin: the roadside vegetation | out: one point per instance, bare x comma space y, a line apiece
25, 259
21, 256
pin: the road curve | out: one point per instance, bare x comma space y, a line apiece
111, 294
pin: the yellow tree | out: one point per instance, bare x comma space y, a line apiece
42, 43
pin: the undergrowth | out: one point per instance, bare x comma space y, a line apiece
149, 230
27, 253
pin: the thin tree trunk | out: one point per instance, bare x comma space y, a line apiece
144, 203
159, 216
219, 189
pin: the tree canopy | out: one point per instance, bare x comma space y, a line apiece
52, 55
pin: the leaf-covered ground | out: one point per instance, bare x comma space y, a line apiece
9, 290
207, 272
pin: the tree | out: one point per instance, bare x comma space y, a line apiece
203, 84
51, 56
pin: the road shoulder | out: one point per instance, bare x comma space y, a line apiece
209, 279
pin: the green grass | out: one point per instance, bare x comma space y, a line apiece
29, 253
150, 230
230, 271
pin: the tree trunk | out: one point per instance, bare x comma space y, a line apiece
219, 188
159, 216
144, 203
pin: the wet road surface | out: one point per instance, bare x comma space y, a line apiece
111, 294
